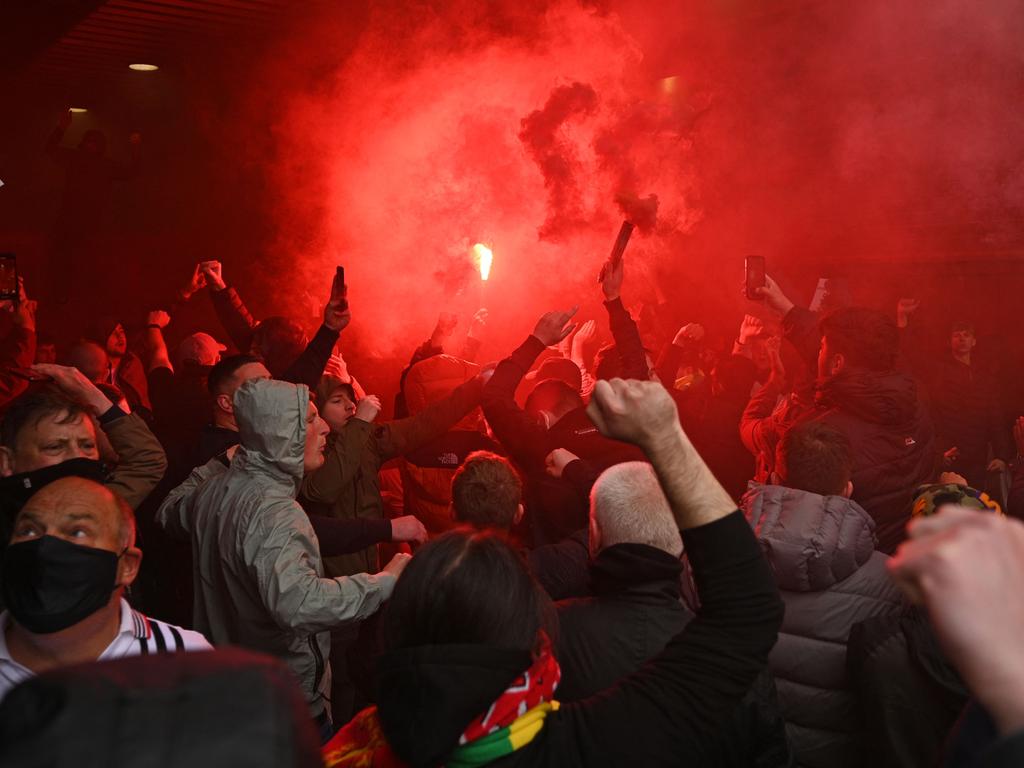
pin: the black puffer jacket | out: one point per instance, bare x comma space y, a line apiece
892, 442
822, 552
636, 590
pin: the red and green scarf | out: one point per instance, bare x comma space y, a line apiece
509, 724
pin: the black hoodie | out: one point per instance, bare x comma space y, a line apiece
892, 443
671, 709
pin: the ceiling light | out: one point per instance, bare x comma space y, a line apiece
144, 67
78, 109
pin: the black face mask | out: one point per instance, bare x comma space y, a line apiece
50, 584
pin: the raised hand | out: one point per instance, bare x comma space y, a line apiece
638, 412
73, 383
773, 296
750, 328
962, 565
368, 408
556, 461
408, 528
554, 326
611, 279
773, 348
158, 318
904, 309
477, 325
689, 333
337, 313
212, 272
195, 283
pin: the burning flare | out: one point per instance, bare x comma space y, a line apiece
483, 256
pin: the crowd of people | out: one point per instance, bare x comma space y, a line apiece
801, 550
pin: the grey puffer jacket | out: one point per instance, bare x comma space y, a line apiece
822, 553
259, 580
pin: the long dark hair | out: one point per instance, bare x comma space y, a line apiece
467, 587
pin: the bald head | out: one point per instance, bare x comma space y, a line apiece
627, 506
80, 511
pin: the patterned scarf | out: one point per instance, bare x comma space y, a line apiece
509, 724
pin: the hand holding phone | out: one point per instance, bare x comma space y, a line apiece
754, 276
336, 314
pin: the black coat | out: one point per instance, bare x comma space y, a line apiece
636, 591
667, 712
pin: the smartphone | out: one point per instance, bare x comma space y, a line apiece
339, 288
8, 277
754, 276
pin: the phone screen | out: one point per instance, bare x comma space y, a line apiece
8, 277
755, 275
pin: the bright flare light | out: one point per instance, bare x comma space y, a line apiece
77, 109
144, 67
484, 257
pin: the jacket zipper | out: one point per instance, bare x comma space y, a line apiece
319, 664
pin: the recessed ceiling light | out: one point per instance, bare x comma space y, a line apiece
143, 67
78, 109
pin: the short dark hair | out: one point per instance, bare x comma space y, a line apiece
35, 405
814, 457
222, 373
553, 395
467, 587
486, 491
962, 325
867, 338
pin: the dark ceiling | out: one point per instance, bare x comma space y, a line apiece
62, 43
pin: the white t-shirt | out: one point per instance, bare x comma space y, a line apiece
138, 635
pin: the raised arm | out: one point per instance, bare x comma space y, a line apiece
309, 366
675, 704
521, 435
624, 329
398, 438
229, 307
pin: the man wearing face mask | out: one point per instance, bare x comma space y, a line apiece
65, 570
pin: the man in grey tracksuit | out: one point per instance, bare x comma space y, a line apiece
259, 579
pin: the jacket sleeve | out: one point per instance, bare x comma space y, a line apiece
175, 513
18, 350
1015, 498
234, 316
757, 427
676, 703
345, 536
800, 328
341, 463
562, 568
141, 459
399, 437
523, 438
281, 553
627, 341
309, 366
671, 357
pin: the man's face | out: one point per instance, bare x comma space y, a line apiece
117, 342
829, 363
244, 373
316, 439
80, 512
962, 341
46, 353
338, 409
52, 440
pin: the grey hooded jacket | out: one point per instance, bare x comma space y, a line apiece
822, 553
259, 580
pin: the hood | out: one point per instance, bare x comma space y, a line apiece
628, 567
271, 418
427, 696
434, 379
880, 397
811, 542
